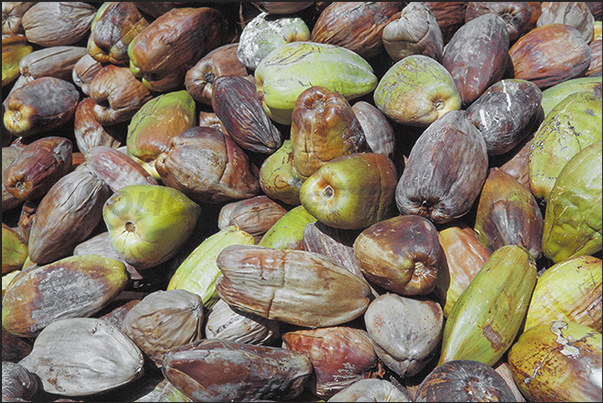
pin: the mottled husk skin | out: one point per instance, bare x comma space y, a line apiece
116, 316
76, 286
570, 291
228, 323
89, 133
214, 370
549, 55
405, 331
41, 105
357, 26
67, 355
6, 282
416, 91
116, 169
115, 25
222, 61
351, 192
57, 23
574, 14
449, 15
486, 318
401, 254
56, 61
235, 102
14, 48
340, 356
572, 223
324, 127
84, 71
559, 361
199, 272
148, 223
208, 166
297, 287
508, 214
506, 113
517, 15
67, 215
14, 250
415, 32
288, 231
477, 55
118, 95
333, 242
255, 215
570, 126
173, 43
445, 171
266, 32
288, 71
278, 178
40, 165
557, 93
9, 154
155, 123
465, 256
462, 381
378, 130
164, 320
101, 245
